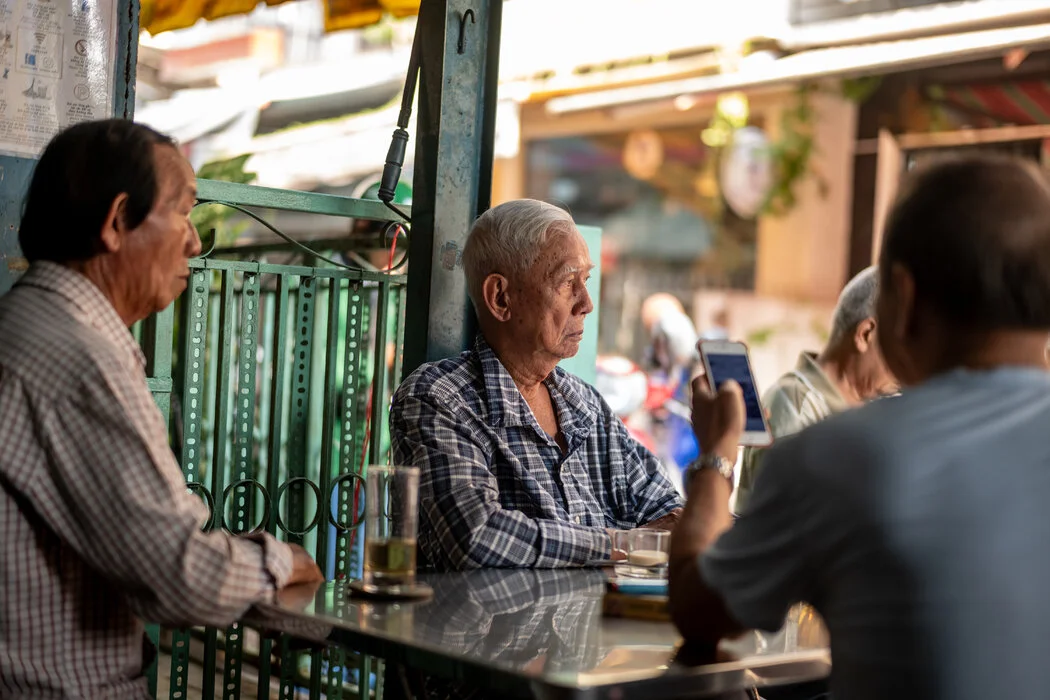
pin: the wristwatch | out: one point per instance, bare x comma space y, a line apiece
716, 462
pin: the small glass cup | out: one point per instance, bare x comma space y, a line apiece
391, 520
619, 544
648, 552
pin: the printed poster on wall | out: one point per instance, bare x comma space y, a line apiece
56, 68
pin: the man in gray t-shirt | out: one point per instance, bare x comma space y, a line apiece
929, 556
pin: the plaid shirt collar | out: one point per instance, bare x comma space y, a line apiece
507, 407
90, 305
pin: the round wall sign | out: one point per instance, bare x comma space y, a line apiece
746, 171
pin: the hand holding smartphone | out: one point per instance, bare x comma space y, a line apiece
724, 360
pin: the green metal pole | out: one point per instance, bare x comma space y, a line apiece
453, 169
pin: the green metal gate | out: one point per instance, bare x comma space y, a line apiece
277, 380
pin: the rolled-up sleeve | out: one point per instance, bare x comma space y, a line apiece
123, 508
462, 523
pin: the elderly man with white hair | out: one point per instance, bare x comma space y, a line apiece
523, 464
848, 372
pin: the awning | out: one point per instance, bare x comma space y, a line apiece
162, 15
1020, 103
842, 62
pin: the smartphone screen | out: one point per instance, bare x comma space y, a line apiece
735, 367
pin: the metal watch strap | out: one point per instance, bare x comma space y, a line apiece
714, 462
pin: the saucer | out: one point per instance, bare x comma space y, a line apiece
415, 591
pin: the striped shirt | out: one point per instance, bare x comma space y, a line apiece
97, 529
496, 490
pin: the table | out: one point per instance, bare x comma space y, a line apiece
541, 634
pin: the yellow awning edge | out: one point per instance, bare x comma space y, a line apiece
164, 15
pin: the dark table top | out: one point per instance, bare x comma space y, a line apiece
541, 633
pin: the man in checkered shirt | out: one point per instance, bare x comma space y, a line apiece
523, 464
97, 530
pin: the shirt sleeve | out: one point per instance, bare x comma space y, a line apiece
768, 560
461, 522
125, 509
650, 494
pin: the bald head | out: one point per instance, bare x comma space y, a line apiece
974, 233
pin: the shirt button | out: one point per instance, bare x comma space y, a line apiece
577, 520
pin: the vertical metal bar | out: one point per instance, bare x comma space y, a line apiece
299, 424
361, 423
266, 317
315, 673
399, 337
364, 671
353, 408
244, 424
244, 403
331, 408
211, 380
450, 146
379, 375
193, 329
222, 399
280, 362
220, 438
156, 341
333, 688
289, 670
489, 97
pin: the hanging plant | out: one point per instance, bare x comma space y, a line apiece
790, 155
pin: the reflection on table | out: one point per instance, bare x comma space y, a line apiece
500, 627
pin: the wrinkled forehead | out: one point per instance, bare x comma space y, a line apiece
173, 172
564, 252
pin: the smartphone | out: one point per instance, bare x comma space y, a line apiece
726, 359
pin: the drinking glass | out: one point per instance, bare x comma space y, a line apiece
391, 519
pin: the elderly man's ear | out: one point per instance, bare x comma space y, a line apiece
495, 290
113, 228
864, 335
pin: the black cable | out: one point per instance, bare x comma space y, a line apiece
395, 156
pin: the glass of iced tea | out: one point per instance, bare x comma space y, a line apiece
391, 518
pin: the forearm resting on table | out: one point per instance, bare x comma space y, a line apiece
510, 539
667, 522
217, 578
698, 612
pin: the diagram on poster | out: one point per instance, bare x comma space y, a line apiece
56, 68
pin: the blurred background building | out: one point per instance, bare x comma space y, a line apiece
739, 159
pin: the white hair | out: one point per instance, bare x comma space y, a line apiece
507, 238
856, 303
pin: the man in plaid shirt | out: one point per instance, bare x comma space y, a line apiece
523, 464
97, 530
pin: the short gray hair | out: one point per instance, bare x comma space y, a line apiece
507, 238
856, 303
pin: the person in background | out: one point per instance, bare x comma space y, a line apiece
671, 360
847, 372
97, 529
521, 463
917, 526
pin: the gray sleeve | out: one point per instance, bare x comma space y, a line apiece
764, 563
